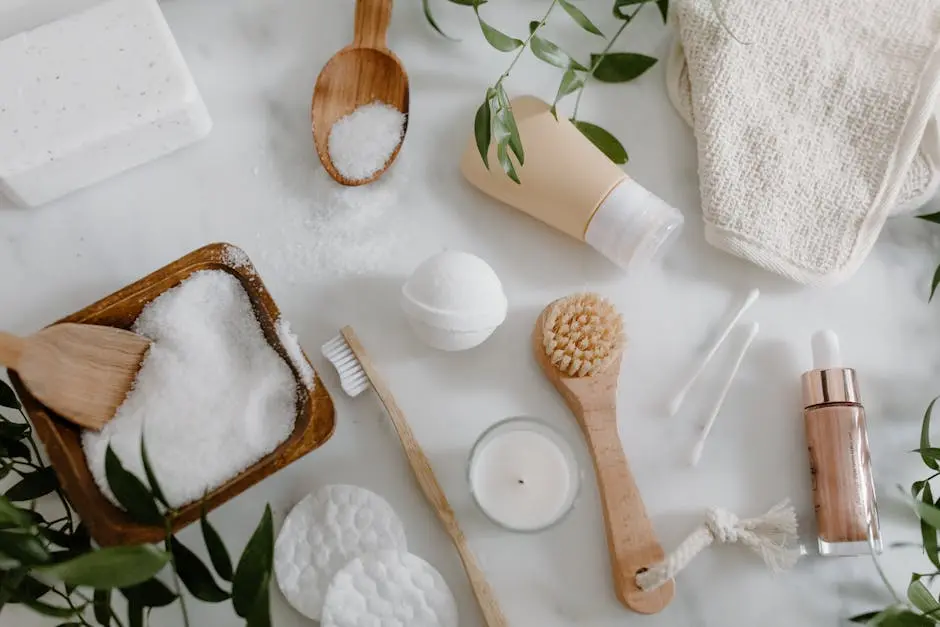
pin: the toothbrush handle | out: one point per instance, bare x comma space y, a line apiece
421, 466
630, 536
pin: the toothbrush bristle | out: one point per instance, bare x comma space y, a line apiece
351, 375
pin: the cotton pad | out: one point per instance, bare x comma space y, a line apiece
90, 95
323, 532
389, 589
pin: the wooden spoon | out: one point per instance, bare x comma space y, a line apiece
359, 74
631, 538
81, 372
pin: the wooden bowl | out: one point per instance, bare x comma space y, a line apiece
110, 525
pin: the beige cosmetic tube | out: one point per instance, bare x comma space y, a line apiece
569, 184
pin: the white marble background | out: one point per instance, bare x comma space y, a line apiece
256, 182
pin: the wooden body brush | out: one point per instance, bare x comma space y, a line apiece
578, 342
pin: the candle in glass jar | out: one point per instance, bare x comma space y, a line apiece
523, 475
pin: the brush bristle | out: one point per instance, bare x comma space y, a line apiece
582, 334
351, 375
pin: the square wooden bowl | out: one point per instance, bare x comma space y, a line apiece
108, 524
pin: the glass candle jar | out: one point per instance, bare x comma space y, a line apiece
523, 475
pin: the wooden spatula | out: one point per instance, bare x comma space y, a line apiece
81, 372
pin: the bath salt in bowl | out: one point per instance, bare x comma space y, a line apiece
361, 143
273, 414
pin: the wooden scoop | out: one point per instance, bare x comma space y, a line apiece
577, 341
357, 75
81, 372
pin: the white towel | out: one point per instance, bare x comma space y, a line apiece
814, 130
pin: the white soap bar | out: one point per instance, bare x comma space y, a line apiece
91, 95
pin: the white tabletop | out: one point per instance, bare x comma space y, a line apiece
256, 182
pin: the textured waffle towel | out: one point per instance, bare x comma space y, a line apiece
814, 130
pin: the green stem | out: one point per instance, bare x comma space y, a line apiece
600, 57
80, 615
32, 443
176, 578
525, 44
114, 615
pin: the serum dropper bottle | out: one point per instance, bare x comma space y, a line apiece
840, 461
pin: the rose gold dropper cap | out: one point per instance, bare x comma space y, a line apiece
829, 381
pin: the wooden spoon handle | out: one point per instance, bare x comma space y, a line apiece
421, 467
11, 349
630, 536
372, 20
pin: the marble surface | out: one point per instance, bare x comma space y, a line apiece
256, 182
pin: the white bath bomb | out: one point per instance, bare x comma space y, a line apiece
323, 532
454, 301
389, 589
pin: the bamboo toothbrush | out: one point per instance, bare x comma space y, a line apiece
356, 371
578, 342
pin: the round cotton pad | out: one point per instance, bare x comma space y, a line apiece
323, 532
389, 589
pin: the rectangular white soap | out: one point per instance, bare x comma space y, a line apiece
91, 95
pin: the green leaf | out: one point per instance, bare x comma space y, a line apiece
218, 554
620, 67
934, 283
578, 16
508, 121
30, 589
928, 513
14, 449
499, 40
426, 5
130, 491
932, 453
150, 593
254, 567
482, 132
260, 614
925, 435
13, 430
8, 396
552, 54
102, 607
12, 515
151, 477
931, 217
468, 3
23, 547
195, 575
571, 82
505, 161
864, 618
601, 138
57, 537
53, 610
69, 625
113, 567
663, 6
920, 597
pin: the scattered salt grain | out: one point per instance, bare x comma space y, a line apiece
361, 143
211, 398
236, 257
292, 346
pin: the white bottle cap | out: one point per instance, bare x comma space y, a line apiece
826, 354
631, 225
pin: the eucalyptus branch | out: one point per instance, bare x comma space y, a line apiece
168, 525
526, 42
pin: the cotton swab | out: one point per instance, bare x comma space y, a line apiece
680, 396
752, 330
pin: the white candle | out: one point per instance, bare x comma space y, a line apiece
523, 475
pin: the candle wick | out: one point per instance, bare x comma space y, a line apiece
521, 481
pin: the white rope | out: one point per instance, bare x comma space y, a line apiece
770, 536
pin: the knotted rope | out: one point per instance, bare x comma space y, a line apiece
770, 536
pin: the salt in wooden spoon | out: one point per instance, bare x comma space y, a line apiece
81, 372
359, 74
578, 343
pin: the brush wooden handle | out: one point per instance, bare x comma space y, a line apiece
630, 534
372, 20
492, 614
11, 349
